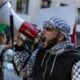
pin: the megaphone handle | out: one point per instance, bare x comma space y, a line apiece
12, 28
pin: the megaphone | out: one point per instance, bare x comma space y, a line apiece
19, 23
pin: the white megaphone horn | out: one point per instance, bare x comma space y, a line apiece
20, 24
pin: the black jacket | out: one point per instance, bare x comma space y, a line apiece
62, 65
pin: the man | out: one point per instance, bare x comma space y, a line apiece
59, 60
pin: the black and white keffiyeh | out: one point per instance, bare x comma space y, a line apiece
76, 71
24, 62
60, 47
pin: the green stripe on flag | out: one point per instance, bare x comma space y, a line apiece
2, 27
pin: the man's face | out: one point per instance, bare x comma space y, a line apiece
49, 37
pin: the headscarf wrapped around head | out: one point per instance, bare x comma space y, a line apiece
58, 23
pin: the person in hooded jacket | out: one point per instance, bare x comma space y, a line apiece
58, 59
3, 48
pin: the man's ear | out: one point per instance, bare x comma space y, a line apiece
61, 37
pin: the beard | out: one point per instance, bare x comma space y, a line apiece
50, 43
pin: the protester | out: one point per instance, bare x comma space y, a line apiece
22, 50
59, 59
3, 47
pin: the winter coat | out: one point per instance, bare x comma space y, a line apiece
50, 66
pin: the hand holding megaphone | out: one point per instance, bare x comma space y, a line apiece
20, 24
